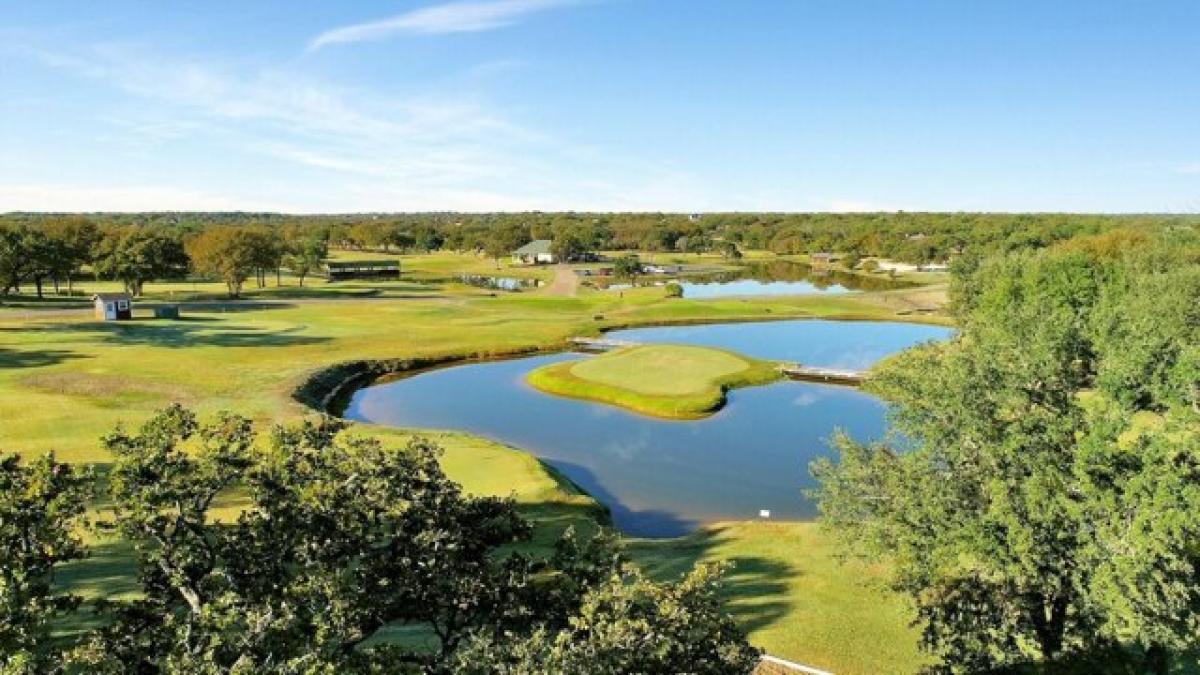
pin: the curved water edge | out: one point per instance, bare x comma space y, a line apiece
658, 478
326, 389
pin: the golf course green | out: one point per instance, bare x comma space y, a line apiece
669, 381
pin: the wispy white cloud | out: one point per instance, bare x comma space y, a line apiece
87, 198
1188, 169
327, 147
470, 16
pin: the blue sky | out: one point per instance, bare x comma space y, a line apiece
680, 105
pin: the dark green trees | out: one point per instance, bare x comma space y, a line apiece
136, 255
627, 267
1045, 503
41, 507
343, 537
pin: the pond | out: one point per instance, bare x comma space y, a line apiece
664, 478
722, 289
778, 277
498, 283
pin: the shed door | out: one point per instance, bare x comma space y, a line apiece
110, 311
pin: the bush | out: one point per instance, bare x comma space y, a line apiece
674, 290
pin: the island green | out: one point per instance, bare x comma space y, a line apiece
670, 381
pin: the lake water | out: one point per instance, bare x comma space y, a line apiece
722, 289
498, 283
779, 277
663, 478
812, 342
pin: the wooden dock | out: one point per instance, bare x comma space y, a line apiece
601, 344
796, 371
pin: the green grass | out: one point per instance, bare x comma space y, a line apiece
671, 381
796, 597
66, 380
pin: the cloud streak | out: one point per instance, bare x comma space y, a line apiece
469, 16
328, 147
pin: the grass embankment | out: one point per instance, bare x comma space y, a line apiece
796, 596
67, 380
669, 381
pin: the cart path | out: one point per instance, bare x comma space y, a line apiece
565, 284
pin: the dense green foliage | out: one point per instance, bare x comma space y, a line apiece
1048, 507
41, 504
35, 247
627, 267
341, 537
628, 625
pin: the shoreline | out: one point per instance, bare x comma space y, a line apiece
321, 389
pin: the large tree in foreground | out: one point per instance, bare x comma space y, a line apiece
1031, 515
340, 538
41, 508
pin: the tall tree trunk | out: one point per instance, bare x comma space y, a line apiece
1049, 624
37, 282
1158, 659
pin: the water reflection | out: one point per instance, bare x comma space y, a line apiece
778, 277
662, 478
498, 283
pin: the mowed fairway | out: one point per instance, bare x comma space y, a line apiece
674, 381
67, 380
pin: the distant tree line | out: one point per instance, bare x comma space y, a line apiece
39, 249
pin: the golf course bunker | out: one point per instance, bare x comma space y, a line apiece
665, 477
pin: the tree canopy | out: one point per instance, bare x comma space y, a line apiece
1042, 499
340, 538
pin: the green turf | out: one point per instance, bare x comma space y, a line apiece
66, 379
671, 381
796, 597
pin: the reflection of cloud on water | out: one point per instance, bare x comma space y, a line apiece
601, 411
861, 356
806, 399
627, 450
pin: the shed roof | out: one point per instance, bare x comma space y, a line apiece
105, 297
361, 264
535, 247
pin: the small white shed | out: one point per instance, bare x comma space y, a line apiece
113, 306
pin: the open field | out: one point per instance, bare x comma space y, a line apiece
421, 275
671, 381
65, 380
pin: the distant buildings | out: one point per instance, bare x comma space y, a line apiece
360, 269
536, 252
662, 269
